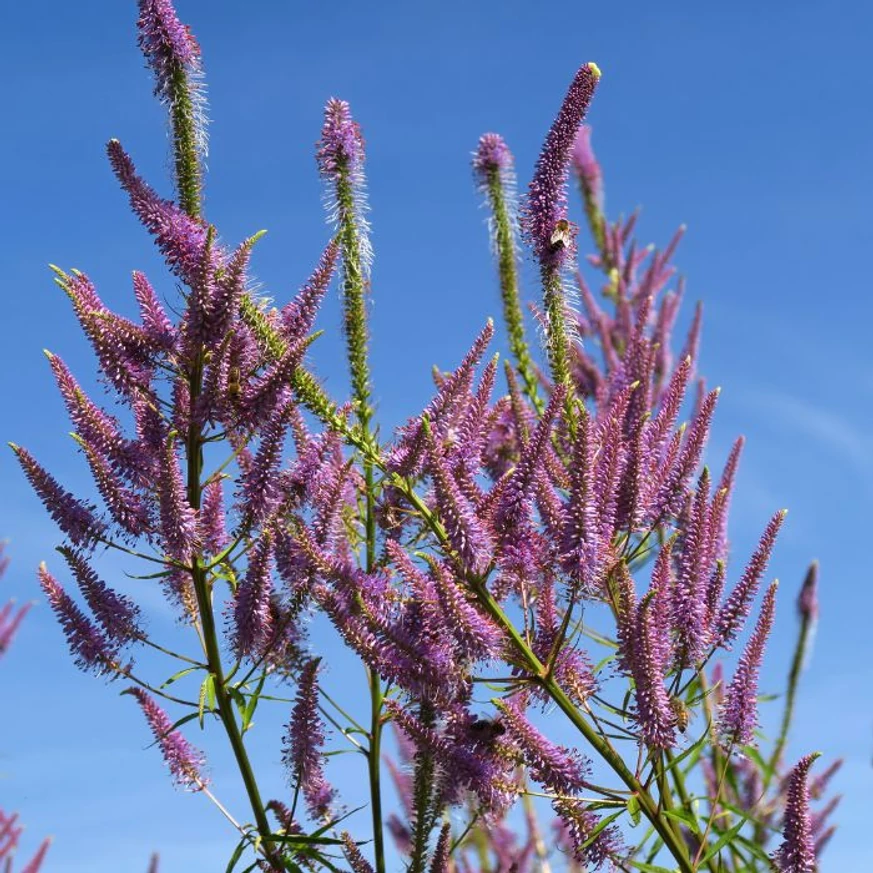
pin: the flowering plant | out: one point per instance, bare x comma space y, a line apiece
557, 546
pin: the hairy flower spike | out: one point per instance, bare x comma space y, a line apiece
797, 852
303, 756
736, 608
251, 611
546, 207
340, 158
183, 760
118, 614
91, 650
75, 518
739, 714
174, 57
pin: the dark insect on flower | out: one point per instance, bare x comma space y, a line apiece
681, 712
486, 730
233, 384
562, 235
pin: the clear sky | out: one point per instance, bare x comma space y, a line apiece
748, 121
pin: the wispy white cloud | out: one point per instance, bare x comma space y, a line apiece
830, 429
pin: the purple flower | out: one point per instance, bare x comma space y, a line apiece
586, 165
118, 615
157, 326
736, 608
183, 760
807, 602
544, 217
210, 521
251, 611
739, 712
181, 239
74, 517
561, 770
178, 518
493, 156
576, 832
797, 852
357, 861
303, 745
91, 650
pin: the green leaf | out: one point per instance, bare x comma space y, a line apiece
651, 868
207, 697
176, 676
252, 705
633, 809
685, 817
722, 841
601, 825
237, 854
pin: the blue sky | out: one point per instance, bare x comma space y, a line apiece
746, 121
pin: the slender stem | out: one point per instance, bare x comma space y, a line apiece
790, 695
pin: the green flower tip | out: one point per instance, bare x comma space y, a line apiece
595, 70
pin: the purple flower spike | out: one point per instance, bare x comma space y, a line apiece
797, 852
357, 861
181, 239
807, 602
118, 615
157, 326
165, 42
561, 770
178, 518
587, 166
303, 756
183, 760
75, 518
211, 526
170, 49
341, 147
89, 647
544, 218
493, 155
735, 609
577, 832
739, 714
252, 616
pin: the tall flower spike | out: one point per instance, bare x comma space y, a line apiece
340, 158
75, 518
89, 647
303, 756
155, 322
211, 528
251, 611
739, 712
183, 760
118, 615
494, 171
544, 217
174, 57
797, 852
178, 518
180, 237
736, 608
561, 770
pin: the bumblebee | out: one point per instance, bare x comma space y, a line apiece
233, 385
562, 236
486, 730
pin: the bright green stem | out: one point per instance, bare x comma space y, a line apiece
355, 325
354, 294
790, 695
507, 265
187, 162
596, 222
207, 618
557, 338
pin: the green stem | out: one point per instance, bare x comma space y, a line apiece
790, 696
557, 339
507, 265
187, 164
